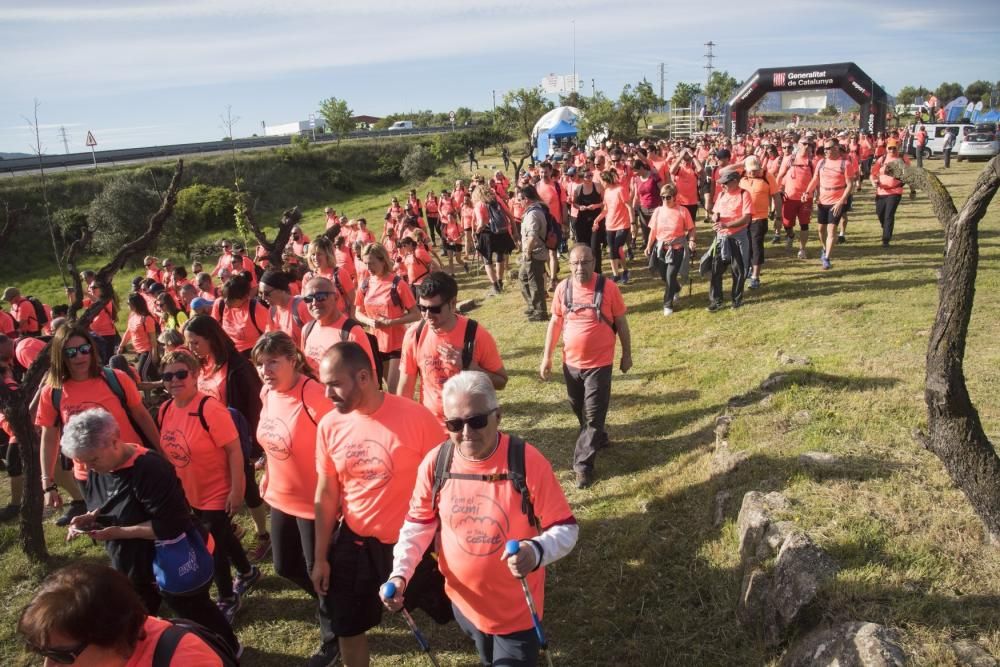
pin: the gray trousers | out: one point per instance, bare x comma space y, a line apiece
532, 276
589, 392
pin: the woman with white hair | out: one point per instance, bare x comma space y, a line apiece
138, 500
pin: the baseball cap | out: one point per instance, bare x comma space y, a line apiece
892, 143
723, 153
751, 163
727, 175
571, 171
156, 288
199, 302
27, 350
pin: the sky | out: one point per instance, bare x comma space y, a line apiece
153, 72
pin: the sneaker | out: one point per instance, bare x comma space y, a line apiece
625, 277
492, 291
229, 606
538, 317
754, 283
714, 306
788, 243
826, 264
242, 583
261, 548
500, 285
776, 240
885, 244
75, 509
9, 513
802, 254
822, 255
584, 478
328, 655
841, 239
667, 310
737, 303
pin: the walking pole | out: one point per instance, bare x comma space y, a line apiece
512, 547
388, 592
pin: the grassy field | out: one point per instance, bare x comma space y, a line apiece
654, 580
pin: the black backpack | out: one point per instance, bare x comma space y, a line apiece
498, 219
468, 343
515, 473
40, 314
551, 225
393, 291
596, 305
253, 312
167, 644
345, 335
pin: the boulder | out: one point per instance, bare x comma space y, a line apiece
800, 571
751, 610
725, 460
791, 360
774, 382
850, 644
818, 459
753, 524
970, 654
467, 305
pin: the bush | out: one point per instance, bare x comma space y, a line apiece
199, 207
417, 165
71, 223
120, 213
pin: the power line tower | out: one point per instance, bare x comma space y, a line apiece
709, 57
62, 135
663, 82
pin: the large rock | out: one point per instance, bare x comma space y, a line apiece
970, 654
801, 569
753, 523
847, 645
725, 460
752, 610
818, 459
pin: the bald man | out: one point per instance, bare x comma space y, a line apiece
329, 325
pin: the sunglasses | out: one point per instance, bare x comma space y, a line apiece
474, 422
226, 247
318, 297
84, 349
668, 197
63, 656
436, 310
180, 375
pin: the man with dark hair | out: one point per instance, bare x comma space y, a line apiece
242, 317
444, 343
534, 254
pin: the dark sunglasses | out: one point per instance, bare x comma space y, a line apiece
788, 148
63, 656
180, 375
430, 309
668, 197
318, 297
474, 422
84, 349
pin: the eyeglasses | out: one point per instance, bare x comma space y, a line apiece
180, 375
318, 297
84, 349
668, 197
436, 310
474, 422
63, 656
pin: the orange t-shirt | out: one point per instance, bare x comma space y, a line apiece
761, 189
477, 518
284, 320
418, 265
886, 184
468, 216
553, 197
139, 328
343, 278
78, 396
199, 456
732, 207
287, 432
377, 301
588, 341
686, 180
798, 172
617, 217
191, 650
374, 460
422, 357
323, 337
833, 178
668, 223
213, 382
102, 324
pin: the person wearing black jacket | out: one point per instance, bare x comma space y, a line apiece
138, 499
228, 376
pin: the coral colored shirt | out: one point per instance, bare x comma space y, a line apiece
324, 336
284, 320
373, 460
421, 357
798, 172
477, 518
833, 178
732, 207
191, 651
669, 223
199, 456
418, 265
617, 205
139, 329
553, 197
686, 180
239, 326
287, 432
213, 382
7, 323
886, 184
102, 324
761, 189
588, 341
377, 301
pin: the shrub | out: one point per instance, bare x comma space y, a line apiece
120, 213
199, 207
417, 165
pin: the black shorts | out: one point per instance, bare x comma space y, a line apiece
616, 241
453, 247
825, 216
489, 244
396, 354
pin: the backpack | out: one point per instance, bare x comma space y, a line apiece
167, 644
345, 335
468, 344
111, 379
393, 291
296, 300
498, 219
551, 225
40, 314
253, 312
515, 473
241, 423
596, 305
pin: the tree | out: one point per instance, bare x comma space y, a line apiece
574, 99
463, 116
417, 165
520, 110
979, 91
909, 94
684, 94
646, 100
117, 213
337, 115
954, 431
946, 92
719, 89
597, 121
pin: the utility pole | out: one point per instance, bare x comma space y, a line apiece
575, 86
663, 84
593, 88
709, 57
62, 134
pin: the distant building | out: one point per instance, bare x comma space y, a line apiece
364, 122
300, 127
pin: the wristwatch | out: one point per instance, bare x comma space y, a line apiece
50, 488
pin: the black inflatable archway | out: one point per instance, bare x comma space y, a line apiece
847, 76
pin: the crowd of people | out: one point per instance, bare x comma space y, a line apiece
346, 401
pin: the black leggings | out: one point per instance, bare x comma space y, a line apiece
293, 540
227, 549
146, 367
434, 228
197, 607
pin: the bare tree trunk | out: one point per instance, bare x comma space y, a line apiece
12, 218
955, 432
275, 248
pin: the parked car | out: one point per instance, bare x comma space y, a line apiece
979, 144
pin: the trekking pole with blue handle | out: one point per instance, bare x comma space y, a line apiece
388, 592
512, 547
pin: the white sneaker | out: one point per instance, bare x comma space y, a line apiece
667, 310
802, 254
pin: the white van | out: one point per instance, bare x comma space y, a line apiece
935, 137
401, 125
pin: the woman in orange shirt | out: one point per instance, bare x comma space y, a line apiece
433, 219
141, 333
386, 305
103, 324
198, 435
618, 216
322, 260
669, 226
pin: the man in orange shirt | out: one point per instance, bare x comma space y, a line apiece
470, 511
834, 177
329, 325
368, 450
589, 312
23, 312
764, 200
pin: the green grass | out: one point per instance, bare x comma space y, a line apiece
652, 580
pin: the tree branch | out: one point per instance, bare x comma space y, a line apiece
941, 201
275, 248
